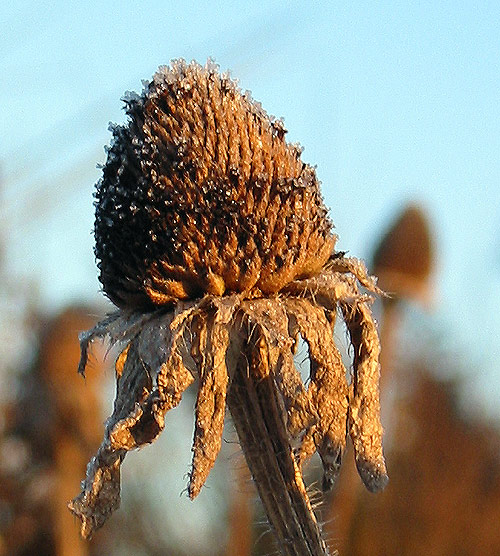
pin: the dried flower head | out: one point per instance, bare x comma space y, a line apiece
214, 242
201, 194
404, 259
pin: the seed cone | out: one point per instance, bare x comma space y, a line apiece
202, 194
404, 258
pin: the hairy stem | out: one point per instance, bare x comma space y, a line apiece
259, 419
240, 512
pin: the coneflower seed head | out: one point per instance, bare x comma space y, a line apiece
202, 194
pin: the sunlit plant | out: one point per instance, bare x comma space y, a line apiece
213, 241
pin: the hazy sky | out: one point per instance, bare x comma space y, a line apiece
393, 101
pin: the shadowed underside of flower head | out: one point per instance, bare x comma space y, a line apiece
213, 240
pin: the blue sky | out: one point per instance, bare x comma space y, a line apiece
393, 101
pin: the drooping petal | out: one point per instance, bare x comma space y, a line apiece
357, 268
326, 289
337, 282
100, 496
327, 389
365, 427
151, 378
118, 327
211, 341
100, 330
270, 320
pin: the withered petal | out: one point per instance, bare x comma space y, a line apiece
100, 496
328, 387
211, 341
365, 427
152, 380
270, 320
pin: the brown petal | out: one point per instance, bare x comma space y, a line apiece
271, 322
327, 389
365, 427
150, 380
211, 343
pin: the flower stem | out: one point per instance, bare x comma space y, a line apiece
258, 416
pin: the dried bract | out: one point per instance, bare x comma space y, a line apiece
214, 242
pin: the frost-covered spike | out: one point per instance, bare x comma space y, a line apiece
100, 330
365, 427
328, 387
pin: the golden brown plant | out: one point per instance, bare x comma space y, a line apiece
214, 242
51, 428
404, 259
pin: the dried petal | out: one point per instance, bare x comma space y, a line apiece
365, 427
357, 268
118, 327
327, 389
209, 351
150, 380
326, 289
100, 496
270, 320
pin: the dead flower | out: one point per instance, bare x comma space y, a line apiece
214, 242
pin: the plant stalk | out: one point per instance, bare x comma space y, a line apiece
258, 416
